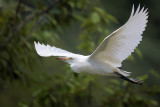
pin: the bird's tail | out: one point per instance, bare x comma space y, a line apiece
125, 73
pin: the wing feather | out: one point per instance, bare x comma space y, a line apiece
47, 50
121, 43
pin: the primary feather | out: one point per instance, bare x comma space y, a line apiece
47, 50
122, 42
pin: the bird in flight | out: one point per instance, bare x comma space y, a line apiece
108, 56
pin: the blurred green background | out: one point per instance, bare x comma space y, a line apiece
28, 80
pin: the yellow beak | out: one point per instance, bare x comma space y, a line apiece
64, 58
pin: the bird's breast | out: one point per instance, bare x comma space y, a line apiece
91, 68
81, 67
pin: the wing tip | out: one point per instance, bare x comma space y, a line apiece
38, 48
138, 11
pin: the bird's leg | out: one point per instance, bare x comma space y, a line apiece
135, 81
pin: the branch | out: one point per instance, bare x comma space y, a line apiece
30, 17
15, 30
17, 11
13, 27
89, 100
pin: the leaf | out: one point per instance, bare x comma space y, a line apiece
95, 18
154, 73
139, 53
110, 17
71, 3
114, 81
21, 104
99, 10
109, 91
144, 77
37, 92
154, 102
53, 98
85, 23
130, 57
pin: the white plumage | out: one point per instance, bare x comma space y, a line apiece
122, 42
110, 53
46, 51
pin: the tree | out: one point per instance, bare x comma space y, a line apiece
23, 22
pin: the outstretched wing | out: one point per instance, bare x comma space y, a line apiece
122, 42
47, 50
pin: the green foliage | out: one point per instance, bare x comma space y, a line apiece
81, 90
95, 28
23, 22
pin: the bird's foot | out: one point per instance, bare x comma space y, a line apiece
135, 81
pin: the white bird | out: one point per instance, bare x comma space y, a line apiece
115, 48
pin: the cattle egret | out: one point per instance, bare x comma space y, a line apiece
108, 56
